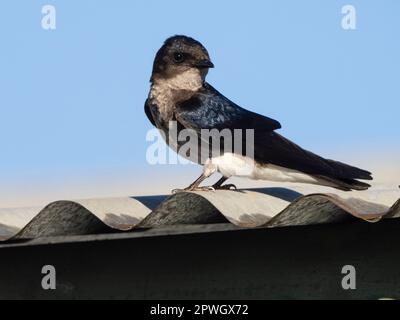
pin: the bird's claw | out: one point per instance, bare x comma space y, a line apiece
209, 188
175, 191
226, 187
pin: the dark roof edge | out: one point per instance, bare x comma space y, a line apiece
172, 230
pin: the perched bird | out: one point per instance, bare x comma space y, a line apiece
180, 93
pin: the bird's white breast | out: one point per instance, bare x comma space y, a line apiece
232, 165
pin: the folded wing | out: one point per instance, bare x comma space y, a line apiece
209, 109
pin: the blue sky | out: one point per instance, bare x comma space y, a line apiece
72, 99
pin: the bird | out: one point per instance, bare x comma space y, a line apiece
180, 94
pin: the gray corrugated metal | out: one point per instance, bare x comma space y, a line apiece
270, 207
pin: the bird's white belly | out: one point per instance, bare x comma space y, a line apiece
232, 165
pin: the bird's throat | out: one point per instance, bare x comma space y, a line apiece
167, 93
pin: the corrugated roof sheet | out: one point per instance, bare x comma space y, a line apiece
270, 207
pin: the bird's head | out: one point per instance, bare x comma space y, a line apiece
181, 55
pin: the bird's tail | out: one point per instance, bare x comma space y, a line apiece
343, 184
347, 177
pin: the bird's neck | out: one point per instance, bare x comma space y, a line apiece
166, 93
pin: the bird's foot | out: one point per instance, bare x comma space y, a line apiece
189, 189
225, 187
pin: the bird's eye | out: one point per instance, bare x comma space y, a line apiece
179, 57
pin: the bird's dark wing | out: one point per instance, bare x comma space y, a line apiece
148, 112
275, 149
208, 109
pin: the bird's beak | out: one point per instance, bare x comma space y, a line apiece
204, 64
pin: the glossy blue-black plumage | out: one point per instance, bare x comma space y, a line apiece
209, 109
